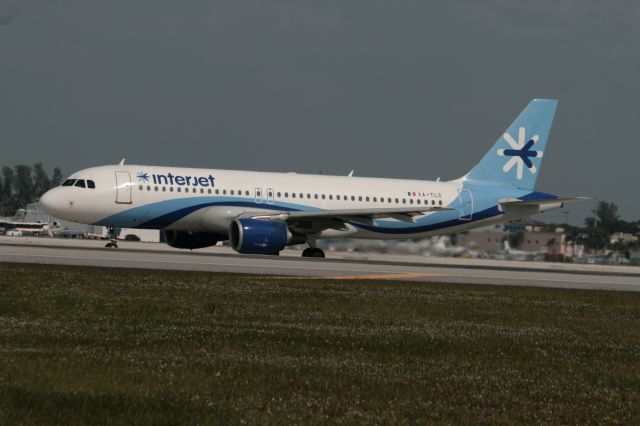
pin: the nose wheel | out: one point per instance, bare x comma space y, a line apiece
112, 234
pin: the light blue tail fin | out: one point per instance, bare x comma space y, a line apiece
516, 157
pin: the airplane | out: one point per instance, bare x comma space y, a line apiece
262, 213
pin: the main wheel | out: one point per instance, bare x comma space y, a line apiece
312, 252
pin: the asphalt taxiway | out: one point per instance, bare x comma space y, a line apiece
343, 266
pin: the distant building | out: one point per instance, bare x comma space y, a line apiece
621, 237
494, 239
523, 225
489, 239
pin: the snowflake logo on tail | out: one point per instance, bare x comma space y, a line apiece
520, 153
143, 177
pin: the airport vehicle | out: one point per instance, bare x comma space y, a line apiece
19, 228
261, 213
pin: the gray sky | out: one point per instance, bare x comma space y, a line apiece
405, 89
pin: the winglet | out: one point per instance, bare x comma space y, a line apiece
350, 174
121, 163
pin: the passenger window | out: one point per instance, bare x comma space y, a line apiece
68, 182
164, 189
140, 187
404, 201
353, 198
202, 190
179, 189
80, 183
418, 201
410, 200
155, 189
360, 198
338, 197
375, 199
148, 187
279, 195
440, 202
315, 196
286, 195
171, 189
246, 193
293, 195
91, 184
209, 191
330, 197
323, 196
397, 201
433, 202
389, 199
367, 198
231, 192
308, 195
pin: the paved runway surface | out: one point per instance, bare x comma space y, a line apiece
92, 254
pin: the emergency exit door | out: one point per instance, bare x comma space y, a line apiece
466, 204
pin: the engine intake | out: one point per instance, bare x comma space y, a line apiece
191, 240
251, 236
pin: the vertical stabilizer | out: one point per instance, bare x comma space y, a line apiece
516, 157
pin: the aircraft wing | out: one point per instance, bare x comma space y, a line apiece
405, 214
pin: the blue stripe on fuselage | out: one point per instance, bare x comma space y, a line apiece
162, 214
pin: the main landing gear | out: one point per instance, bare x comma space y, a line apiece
312, 252
112, 234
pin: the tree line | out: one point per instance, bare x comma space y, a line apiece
24, 184
598, 228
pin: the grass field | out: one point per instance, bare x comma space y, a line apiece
104, 346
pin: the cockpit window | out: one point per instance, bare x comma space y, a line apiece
91, 184
80, 183
68, 182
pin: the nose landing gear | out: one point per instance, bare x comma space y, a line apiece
112, 234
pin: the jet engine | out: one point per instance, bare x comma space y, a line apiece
251, 236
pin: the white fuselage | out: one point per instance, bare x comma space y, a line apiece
208, 200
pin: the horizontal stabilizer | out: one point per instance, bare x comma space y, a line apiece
537, 206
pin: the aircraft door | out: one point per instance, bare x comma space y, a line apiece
466, 204
259, 195
269, 195
123, 188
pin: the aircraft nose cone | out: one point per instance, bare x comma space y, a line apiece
49, 202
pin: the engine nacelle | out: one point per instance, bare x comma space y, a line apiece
191, 240
251, 236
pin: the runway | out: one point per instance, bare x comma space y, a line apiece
222, 260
